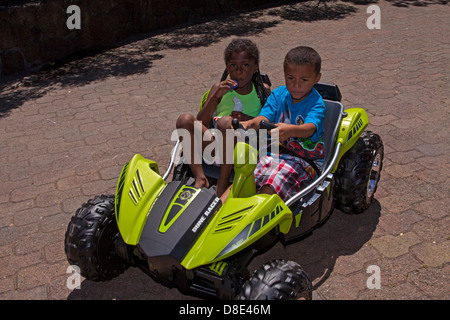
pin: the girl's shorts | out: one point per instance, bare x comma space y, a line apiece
286, 176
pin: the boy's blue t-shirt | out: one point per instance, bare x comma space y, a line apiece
279, 108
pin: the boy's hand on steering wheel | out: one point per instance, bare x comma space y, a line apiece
284, 131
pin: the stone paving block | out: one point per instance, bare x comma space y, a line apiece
403, 171
48, 199
402, 222
37, 275
36, 293
403, 291
33, 215
393, 272
6, 285
433, 230
395, 246
434, 209
12, 263
434, 282
346, 265
8, 208
346, 289
433, 254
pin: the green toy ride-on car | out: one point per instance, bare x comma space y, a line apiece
184, 237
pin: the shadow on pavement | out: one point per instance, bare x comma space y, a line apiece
136, 55
17, 89
312, 11
416, 3
341, 235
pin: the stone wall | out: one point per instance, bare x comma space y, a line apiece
35, 32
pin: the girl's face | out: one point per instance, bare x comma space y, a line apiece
300, 80
241, 68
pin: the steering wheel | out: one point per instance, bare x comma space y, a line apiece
263, 125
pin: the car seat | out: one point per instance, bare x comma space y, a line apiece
333, 115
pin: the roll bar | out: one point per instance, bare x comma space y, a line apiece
172, 159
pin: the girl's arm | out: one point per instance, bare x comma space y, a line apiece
215, 95
253, 123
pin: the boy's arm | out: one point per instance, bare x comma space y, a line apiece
285, 131
313, 121
316, 116
253, 123
268, 111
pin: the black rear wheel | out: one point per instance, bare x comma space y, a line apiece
358, 174
90, 240
277, 280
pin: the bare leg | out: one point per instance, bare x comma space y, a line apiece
224, 195
225, 168
186, 121
266, 189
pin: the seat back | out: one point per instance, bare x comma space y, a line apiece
328, 91
333, 116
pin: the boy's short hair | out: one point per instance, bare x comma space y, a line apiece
304, 56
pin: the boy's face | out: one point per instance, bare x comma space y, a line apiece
300, 80
241, 68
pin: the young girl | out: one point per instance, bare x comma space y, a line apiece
241, 95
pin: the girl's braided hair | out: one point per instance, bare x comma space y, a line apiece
245, 45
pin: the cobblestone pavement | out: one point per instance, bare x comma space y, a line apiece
65, 134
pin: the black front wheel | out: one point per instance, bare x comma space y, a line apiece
358, 174
277, 280
90, 240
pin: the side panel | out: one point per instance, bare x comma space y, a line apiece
352, 126
237, 225
138, 187
310, 213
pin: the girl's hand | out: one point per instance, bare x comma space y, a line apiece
223, 87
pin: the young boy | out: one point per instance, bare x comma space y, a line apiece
298, 111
